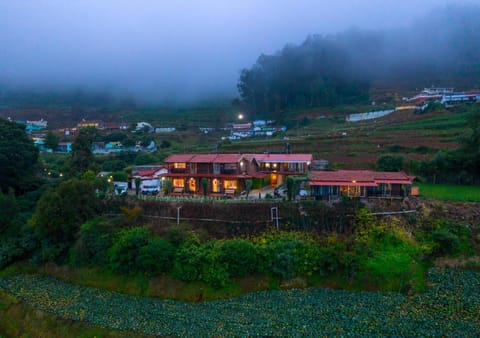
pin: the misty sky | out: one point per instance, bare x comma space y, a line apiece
182, 50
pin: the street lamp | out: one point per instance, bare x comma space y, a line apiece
240, 116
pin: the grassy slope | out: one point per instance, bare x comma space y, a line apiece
359, 144
449, 192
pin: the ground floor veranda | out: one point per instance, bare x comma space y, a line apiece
212, 186
220, 185
332, 192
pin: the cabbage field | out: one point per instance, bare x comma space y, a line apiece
449, 307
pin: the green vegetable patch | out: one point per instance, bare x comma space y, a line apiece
449, 307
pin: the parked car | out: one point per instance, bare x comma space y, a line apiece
120, 188
280, 191
302, 193
150, 190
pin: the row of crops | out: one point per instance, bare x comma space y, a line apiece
450, 307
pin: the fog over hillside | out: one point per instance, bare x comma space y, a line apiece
179, 52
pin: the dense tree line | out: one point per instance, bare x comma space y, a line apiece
316, 73
18, 158
443, 49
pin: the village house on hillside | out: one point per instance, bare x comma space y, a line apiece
151, 178
90, 124
227, 173
330, 185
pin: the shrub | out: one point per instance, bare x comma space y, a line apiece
8, 211
177, 234
452, 239
113, 165
239, 257
189, 261
62, 210
144, 158
51, 252
156, 257
123, 254
390, 163
121, 176
165, 144
213, 271
288, 255
197, 262
389, 258
331, 256
95, 240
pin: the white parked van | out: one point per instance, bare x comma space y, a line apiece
150, 187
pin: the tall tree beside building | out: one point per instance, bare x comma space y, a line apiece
62, 210
18, 158
82, 158
51, 141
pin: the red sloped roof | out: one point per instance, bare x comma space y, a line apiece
150, 172
179, 158
228, 158
343, 183
358, 177
235, 158
283, 158
342, 175
249, 157
145, 172
203, 158
392, 177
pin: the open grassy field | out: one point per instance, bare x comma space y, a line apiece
449, 192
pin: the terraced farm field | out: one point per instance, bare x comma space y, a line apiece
449, 307
359, 144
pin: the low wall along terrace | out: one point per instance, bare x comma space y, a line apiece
224, 220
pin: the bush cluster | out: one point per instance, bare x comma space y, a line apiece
382, 255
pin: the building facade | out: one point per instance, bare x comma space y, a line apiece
227, 173
331, 185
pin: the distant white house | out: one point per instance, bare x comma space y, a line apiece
144, 126
164, 130
259, 123
369, 115
437, 91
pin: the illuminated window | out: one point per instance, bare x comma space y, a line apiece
230, 184
180, 165
192, 185
178, 183
273, 179
216, 185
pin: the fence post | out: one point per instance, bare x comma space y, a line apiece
178, 214
274, 216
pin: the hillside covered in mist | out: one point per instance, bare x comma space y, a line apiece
441, 49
